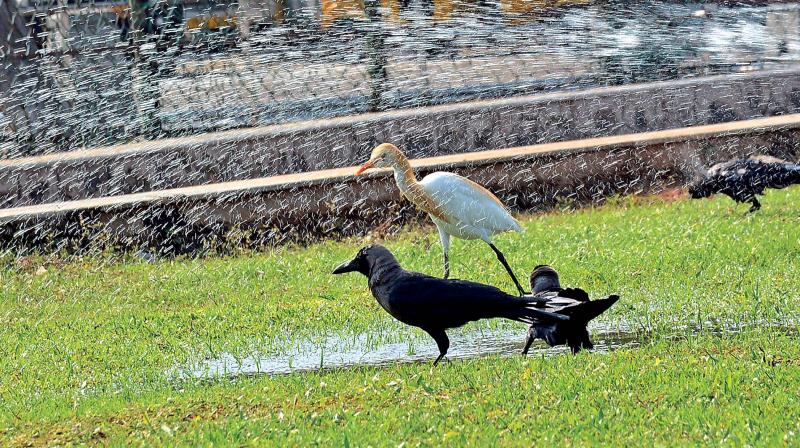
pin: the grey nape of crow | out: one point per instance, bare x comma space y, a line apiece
572, 302
743, 179
435, 304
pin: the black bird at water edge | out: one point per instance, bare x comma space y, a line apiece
572, 302
435, 304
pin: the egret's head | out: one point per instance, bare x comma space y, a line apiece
384, 155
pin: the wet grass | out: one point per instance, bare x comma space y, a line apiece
86, 346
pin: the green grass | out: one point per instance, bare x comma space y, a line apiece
86, 344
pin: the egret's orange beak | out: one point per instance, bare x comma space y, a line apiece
365, 167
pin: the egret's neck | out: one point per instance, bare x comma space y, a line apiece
413, 190
404, 176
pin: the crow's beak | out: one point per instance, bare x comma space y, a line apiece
347, 266
365, 167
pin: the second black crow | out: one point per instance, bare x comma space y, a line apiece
435, 304
743, 179
572, 302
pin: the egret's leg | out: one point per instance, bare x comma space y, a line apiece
444, 237
508, 268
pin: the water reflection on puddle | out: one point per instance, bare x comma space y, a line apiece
337, 352
362, 350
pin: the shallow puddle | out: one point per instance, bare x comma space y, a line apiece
341, 352
336, 352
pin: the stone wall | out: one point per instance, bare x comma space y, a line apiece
458, 128
328, 204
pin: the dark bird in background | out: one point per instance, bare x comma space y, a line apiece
435, 304
573, 302
743, 179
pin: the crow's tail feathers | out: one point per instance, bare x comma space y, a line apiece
793, 178
573, 333
783, 175
530, 314
586, 311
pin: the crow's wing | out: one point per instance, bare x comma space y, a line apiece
575, 293
580, 312
423, 300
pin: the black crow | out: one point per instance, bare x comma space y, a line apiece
435, 304
572, 302
743, 179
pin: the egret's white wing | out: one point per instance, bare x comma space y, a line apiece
465, 203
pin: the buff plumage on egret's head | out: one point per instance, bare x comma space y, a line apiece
386, 155
457, 205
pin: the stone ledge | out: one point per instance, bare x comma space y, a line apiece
337, 175
333, 203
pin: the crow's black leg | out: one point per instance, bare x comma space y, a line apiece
755, 205
580, 339
529, 340
442, 341
508, 268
